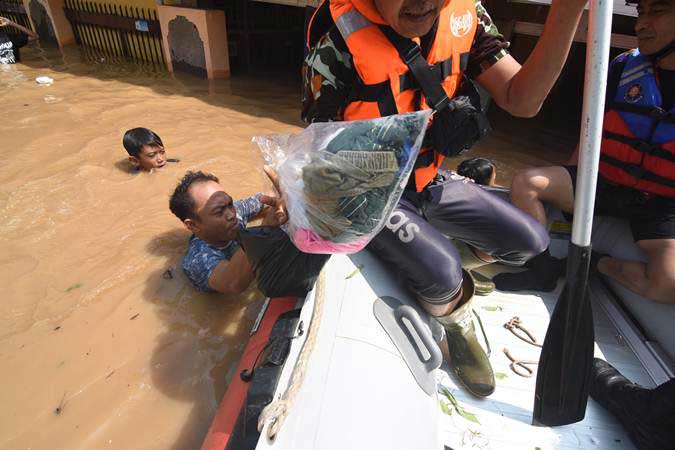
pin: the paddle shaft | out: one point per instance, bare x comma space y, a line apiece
595, 87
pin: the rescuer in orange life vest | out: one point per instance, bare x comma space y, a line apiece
637, 166
373, 58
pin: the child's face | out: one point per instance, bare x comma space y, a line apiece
150, 157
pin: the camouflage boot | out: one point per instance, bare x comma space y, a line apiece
484, 286
467, 357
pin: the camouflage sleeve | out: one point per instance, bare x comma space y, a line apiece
489, 45
248, 208
327, 77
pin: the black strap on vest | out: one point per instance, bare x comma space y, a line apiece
642, 146
637, 171
428, 80
653, 112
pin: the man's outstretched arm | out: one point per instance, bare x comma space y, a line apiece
4, 22
521, 90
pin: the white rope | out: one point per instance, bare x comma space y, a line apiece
276, 412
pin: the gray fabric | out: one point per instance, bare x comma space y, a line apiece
351, 22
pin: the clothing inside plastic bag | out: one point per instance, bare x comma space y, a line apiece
341, 180
281, 269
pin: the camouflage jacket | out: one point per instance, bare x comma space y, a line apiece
328, 73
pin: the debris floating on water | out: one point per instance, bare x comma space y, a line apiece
73, 287
57, 328
62, 404
44, 80
168, 275
134, 316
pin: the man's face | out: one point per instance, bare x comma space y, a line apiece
150, 157
216, 218
410, 18
655, 26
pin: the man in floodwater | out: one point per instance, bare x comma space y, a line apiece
372, 58
215, 262
11, 43
637, 166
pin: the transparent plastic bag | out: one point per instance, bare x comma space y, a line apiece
342, 180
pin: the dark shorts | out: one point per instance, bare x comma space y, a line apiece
415, 241
650, 217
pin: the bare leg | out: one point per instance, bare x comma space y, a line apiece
441, 310
532, 187
655, 279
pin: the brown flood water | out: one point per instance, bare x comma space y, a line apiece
98, 349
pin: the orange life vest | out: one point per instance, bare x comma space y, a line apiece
385, 84
638, 147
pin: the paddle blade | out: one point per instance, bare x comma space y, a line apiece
563, 376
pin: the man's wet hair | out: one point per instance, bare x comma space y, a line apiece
478, 169
181, 204
136, 138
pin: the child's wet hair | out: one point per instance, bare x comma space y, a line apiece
478, 169
136, 138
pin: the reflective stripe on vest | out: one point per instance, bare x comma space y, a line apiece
385, 86
638, 147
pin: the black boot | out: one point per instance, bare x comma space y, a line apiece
647, 415
543, 275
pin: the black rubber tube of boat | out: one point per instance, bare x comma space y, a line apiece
563, 377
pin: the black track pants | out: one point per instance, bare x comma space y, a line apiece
414, 240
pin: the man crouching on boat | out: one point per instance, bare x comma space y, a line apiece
637, 166
372, 58
215, 262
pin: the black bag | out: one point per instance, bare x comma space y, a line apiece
281, 269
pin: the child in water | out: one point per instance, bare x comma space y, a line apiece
145, 148
480, 170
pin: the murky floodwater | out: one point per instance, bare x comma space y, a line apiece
98, 348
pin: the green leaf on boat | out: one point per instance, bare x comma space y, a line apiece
461, 411
492, 308
73, 287
355, 272
445, 408
537, 448
467, 415
501, 376
451, 398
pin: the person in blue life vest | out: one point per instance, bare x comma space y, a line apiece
637, 167
11, 43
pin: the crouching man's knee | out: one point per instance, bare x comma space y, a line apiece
438, 285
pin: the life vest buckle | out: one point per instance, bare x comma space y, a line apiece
658, 113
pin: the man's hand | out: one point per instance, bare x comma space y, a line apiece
5, 22
276, 214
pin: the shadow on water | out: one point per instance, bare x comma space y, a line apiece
255, 92
203, 338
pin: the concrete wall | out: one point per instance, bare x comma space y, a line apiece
195, 40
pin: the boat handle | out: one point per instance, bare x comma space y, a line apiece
435, 356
